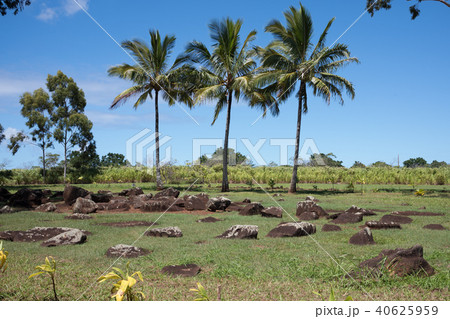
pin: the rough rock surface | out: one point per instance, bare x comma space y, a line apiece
134, 191
115, 204
168, 192
71, 193
126, 251
330, 227
100, 198
308, 216
401, 262
272, 211
363, 237
395, 219
355, 209
35, 234
196, 202
218, 203
209, 220
71, 237
4, 194
434, 227
348, 218
46, 208
84, 206
165, 232
160, 205
247, 200
240, 232
292, 229
6, 210
373, 224
252, 209
310, 206
78, 216
27, 198
188, 270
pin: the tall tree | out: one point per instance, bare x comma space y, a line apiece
376, 5
292, 60
152, 77
226, 72
72, 127
15, 5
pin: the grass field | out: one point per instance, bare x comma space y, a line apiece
263, 269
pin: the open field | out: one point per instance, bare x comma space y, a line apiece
263, 269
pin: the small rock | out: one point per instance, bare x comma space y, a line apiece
126, 251
355, 209
330, 227
6, 210
240, 232
78, 216
363, 237
84, 206
308, 216
247, 200
380, 225
348, 218
165, 232
46, 208
434, 227
310, 206
71, 237
135, 191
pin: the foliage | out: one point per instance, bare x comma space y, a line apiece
48, 268
113, 160
3, 258
15, 5
415, 162
379, 164
324, 160
419, 192
51, 160
234, 158
436, 164
376, 5
84, 165
200, 291
123, 288
358, 164
271, 183
332, 296
2, 136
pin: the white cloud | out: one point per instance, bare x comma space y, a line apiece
66, 7
47, 14
9, 132
73, 6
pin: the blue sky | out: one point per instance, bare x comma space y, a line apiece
401, 104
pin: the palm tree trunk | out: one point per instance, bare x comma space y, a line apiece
293, 186
225, 185
159, 184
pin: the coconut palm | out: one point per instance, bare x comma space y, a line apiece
291, 60
152, 77
225, 73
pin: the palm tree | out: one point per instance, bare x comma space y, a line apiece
292, 59
226, 72
151, 77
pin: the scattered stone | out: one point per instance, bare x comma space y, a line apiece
348, 218
240, 232
310, 206
308, 216
272, 211
434, 227
6, 210
363, 237
115, 204
218, 203
134, 191
252, 209
133, 223
35, 234
161, 204
126, 251
46, 208
413, 213
330, 227
247, 200
281, 200
292, 229
27, 198
168, 192
196, 202
71, 193
209, 220
71, 237
355, 209
396, 219
84, 206
100, 198
165, 232
189, 270
312, 198
277, 195
401, 262
78, 216
380, 225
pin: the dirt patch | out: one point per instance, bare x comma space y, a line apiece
396, 219
413, 213
434, 227
133, 223
209, 220
189, 270
35, 234
329, 227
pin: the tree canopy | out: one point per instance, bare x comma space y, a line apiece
376, 5
13, 5
113, 160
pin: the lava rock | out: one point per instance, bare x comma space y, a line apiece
71, 237
310, 206
292, 229
380, 225
6, 210
46, 208
78, 216
196, 202
132, 223
330, 227
71, 193
355, 209
84, 206
27, 198
348, 218
276, 212
396, 219
134, 191
168, 192
126, 251
100, 198
218, 203
209, 220
247, 200
252, 209
434, 227
363, 237
165, 232
308, 216
240, 232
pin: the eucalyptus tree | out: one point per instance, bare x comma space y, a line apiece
72, 127
226, 72
152, 77
291, 60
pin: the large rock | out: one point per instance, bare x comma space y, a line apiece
71, 193
132, 192
84, 206
100, 198
355, 209
115, 204
252, 209
363, 237
348, 218
240, 232
308, 216
218, 203
188, 270
27, 198
310, 206
165, 232
167, 193
396, 219
400, 262
276, 212
329, 227
292, 229
6, 210
46, 208
196, 202
35, 234
126, 251
160, 205
373, 224
71, 237
4, 194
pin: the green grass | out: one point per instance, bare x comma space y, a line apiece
263, 269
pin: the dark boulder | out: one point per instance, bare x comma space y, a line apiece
363, 237
27, 198
71, 193
348, 218
397, 219
4, 194
252, 209
240, 232
355, 209
100, 198
218, 203
35, 234
135, 191
165, 232
292, 229
330, 227
276, 212
168, 192
434, 227
196, 202
71, 237
308, 216
310, 206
